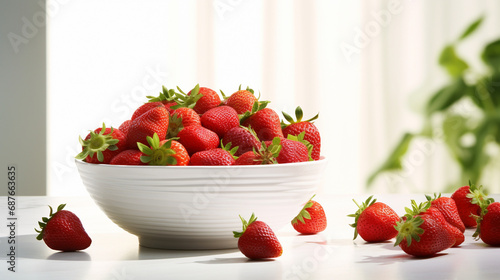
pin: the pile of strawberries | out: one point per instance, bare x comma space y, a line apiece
201, 128
432, 226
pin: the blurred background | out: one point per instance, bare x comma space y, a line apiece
403, 87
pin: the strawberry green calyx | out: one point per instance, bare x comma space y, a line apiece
409, 229
367, 203
224, 96
97, 143
156, 154
479, 196
238, 234
228, 148
416, 209
299, 114
45, 220
304, 214
174, 125
165, 95
300, 138
431, 199
185, 100
257, 106
268, 154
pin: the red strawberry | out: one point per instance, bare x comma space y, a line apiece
489, 223
144, 108
429, 236
311, 219
257, 240
198, 138
374, 221
266, 154
63, 231
242, 100
128, 157
292, 151
447, 207
165, 152
180, 118
464, 198
218, 156
298, 126
426, 209
149, 123
101, 145
201, 99
264, 121
248, 158
124, 127
220, 120
243, 137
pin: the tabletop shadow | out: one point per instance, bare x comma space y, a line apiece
233, 260
399, 258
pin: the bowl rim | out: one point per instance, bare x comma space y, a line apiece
322, 160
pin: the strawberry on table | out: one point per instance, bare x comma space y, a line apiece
257, 240
467, 199
243, 137
426, 208
63, 231
220, 120
153, 121
165, 152
489, 223
447, 207
374, 221
298, 126
311, 219
128, 157
198, 138
422, 236
101, 145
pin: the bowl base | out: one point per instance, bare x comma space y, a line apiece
188, 244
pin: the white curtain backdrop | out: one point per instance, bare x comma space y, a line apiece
104, 57
365, 66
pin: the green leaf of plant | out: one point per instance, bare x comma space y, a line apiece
393, 162
471, 28
447, 96
491, 55
452, 62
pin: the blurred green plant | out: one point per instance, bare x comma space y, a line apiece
466, 137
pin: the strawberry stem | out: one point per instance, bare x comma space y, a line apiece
245, 225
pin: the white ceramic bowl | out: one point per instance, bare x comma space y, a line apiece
198, 207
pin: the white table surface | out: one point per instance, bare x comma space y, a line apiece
116, 254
